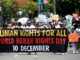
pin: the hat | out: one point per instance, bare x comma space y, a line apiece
72, 27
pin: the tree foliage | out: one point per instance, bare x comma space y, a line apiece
27, 5
64, 6
13, 6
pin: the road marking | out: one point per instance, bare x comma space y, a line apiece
15, 55
35, 56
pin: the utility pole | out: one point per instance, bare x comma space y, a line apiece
54, 7
38, 8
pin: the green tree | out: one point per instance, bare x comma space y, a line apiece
63, 6
28, 6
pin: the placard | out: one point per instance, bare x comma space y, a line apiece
75, 15
49, 19
74, 37
55, 17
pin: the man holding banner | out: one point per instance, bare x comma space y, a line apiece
64, 26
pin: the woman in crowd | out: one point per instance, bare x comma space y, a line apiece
74, 44
12, 24
78, 31
15, 26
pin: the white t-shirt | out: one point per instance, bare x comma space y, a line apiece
32, 26
57, 26
14, 27
17, 27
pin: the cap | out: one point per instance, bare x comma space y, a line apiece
72, 27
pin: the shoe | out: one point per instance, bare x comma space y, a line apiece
2, 53
29, 54
70, 46
77, 52
63, 53
73, 52
35, 53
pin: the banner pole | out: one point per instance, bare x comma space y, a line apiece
43, 7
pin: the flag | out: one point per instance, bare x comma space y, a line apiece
44, 1
0, 8
39, 1
41, 7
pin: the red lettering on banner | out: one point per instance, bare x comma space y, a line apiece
17, 40
20, 40
46, 41
57, 40
2, 40
60, 41
28, 41
7, 40
31, 40
64, 39
52, 40
12, 41
36, 41
42, 41
49, 40
24, 40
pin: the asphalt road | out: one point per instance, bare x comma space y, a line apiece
40, 56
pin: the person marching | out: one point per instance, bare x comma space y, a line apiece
78, 31
64, 26
74, 44
30, 26
3, 46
